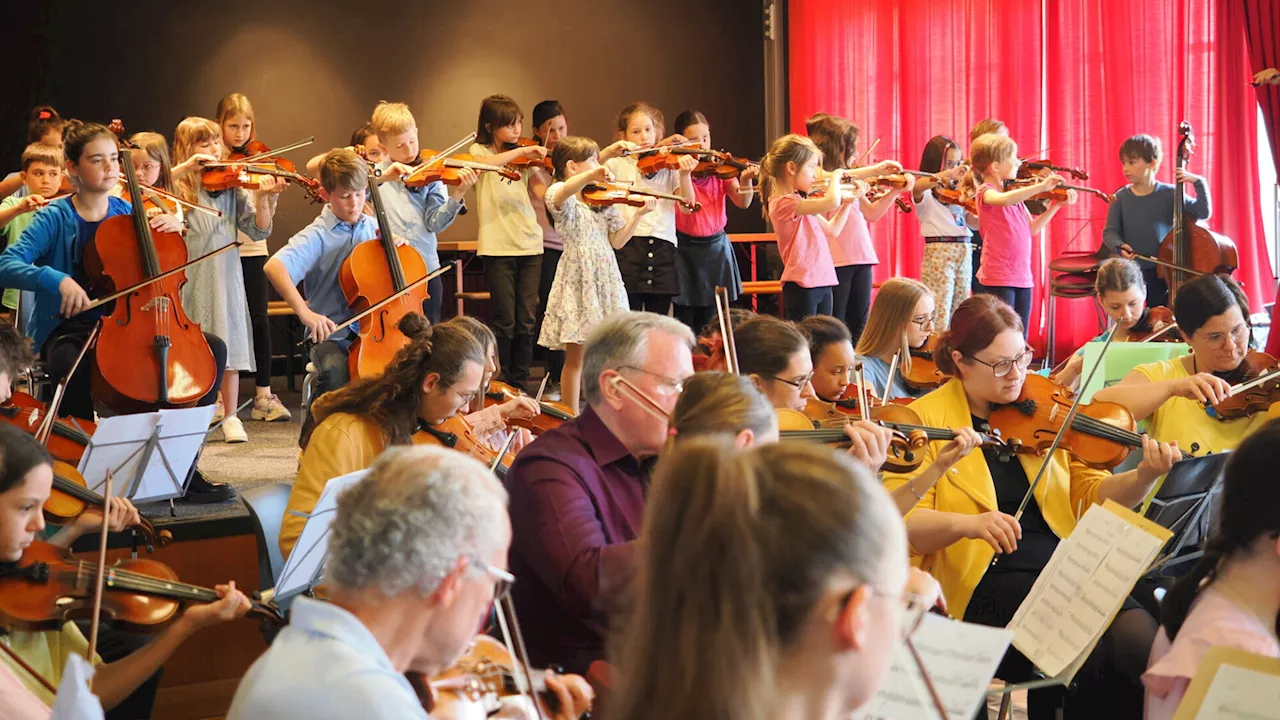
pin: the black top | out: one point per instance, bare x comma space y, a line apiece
1010, 479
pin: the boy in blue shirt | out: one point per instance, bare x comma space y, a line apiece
416, 214
1142, 214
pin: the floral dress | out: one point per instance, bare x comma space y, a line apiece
588, 285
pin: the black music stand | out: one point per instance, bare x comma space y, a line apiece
1185, 504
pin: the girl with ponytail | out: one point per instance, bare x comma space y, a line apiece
1232, 596
430, 380
771, 588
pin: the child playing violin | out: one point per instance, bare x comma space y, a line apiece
588, 285
1142, 213
416, 214
492, 424
509, 240
364, 142
901, 320
215, 295
786, 176
649, 265
1007, 227
239, 128
41, 177
852, 251
549, 126
948, 249
314, 257
705, 258
1123, 295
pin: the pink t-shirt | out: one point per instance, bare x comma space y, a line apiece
1214, 620
711, 219
806, 258
853, 245
1006, 244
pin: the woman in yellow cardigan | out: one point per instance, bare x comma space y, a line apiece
966, 517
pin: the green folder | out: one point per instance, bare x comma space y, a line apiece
1121, 359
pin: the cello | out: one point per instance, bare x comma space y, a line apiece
374, 270
1190, 249
149, 354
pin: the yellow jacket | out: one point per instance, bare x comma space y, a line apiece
1068, 488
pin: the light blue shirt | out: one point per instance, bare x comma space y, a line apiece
324, 664
417, 214
314, 258
876, 372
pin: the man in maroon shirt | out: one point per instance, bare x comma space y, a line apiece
577, 492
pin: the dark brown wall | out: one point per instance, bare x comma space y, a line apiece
318, 68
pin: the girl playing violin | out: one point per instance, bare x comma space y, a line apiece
239, 128
1122, 293
787, 174
430, 380
1007, 227
709, 354
968, 515
1232, 597
588, 285
510, 239
704, 258
1213, 315
215, 294
783, 567
26, 479
831, 349
852, 251
948, 251
901, 321
649, 265
714, 403
490, 424
549, 126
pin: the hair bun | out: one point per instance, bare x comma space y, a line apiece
415, 326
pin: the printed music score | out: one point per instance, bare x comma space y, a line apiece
960, 658
1232, 684
1082, 588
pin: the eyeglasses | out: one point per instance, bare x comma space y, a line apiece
914, 608
676, 386
1004, 367
924, 321
503, 580
1238, 334
798, 383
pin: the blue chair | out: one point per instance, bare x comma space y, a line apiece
266, 506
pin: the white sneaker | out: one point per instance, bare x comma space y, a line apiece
268, 408
552, 393
219, 412
233, 431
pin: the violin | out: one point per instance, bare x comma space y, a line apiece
68, 437
923, 373
528, 162
150, 354
1101, 435
48, 587
1157, 325
620, 193
446, 166
1256, 388
484, 674
656, 158
723, 165
378, 269
245, 167
1190, 249
553, 414
456, 433
1059, 193
952, 196
1039, 168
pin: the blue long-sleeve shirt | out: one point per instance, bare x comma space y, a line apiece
417, 214
51, 249
1142, 221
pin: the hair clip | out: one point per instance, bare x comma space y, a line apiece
44, 115
671, 432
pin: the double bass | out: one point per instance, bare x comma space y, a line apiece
378, 269
1190, 249
149, 354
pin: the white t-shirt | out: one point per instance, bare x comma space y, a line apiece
940, 220
508, 224
661, 223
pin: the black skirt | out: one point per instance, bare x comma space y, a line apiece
705, 263
648, 267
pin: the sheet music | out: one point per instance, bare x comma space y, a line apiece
120, 445
1241, 694
306, 562
75, 701
1081, 589
960, 658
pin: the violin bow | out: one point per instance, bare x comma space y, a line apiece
134, 288
271, 153
514, 640
728, 346
1161, 331
51, 415
930, 689
1170, 265
390, 298
441, 156
157, 192
640, 398
864, 155
98, 578
17, 659
511, 436
893, 365
1066, 423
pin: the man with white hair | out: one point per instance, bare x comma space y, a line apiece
577, 492
417, 554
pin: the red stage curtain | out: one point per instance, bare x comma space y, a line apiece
1262, 34
1077, 79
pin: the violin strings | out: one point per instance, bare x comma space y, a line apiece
140, 581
